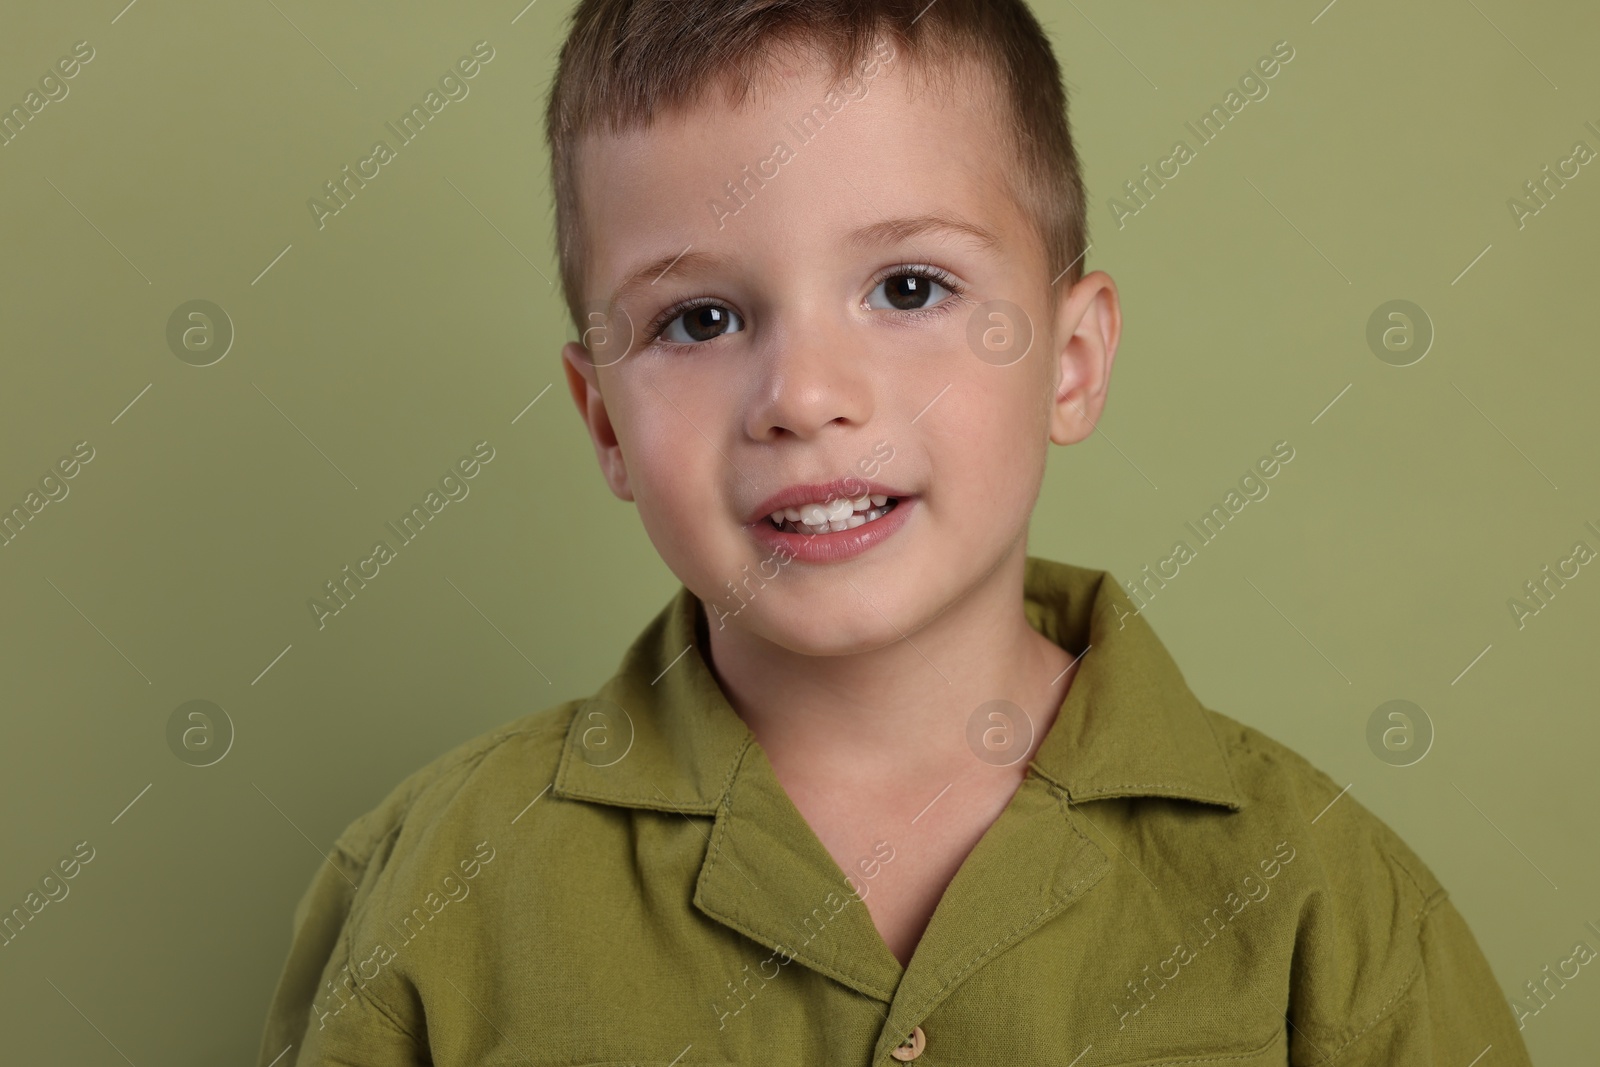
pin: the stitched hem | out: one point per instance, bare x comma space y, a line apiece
1430, 897
362, 903
1384, 1011
1227, 1057
1344, 1037
1427, 908
388, 1015
1227, 764
427, 776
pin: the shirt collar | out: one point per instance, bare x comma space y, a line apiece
661, 734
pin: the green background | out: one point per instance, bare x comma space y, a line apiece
377, 350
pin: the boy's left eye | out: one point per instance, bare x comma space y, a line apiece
907, 291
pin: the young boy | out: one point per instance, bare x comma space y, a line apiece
876, 785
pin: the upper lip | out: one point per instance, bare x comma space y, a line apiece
821, 492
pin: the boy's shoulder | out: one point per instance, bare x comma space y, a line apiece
423, 846
468, 786
1380, 965
1281, 787
1367, 908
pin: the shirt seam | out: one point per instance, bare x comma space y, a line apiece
361, 903
1430, 898
1430, 902
466, 760
1428, 907
1206, 715
1383, 1013
1225, 1057
387, 1014
469, 764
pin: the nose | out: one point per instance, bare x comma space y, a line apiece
812, 375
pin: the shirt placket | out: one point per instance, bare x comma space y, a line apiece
765, 869
1032, 863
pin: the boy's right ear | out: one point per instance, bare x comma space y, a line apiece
583, 379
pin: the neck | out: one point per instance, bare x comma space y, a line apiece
902, 711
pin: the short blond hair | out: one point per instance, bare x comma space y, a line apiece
624, 61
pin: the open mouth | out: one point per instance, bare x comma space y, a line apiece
840, 514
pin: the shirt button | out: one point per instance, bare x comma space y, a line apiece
912, 1046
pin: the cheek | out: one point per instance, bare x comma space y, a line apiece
991, 453
670, 484
675, 475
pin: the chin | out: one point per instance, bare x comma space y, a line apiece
825, 633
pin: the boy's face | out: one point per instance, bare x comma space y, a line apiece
822, 349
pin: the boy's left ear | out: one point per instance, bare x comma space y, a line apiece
1089, 316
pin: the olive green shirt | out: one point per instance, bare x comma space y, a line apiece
622, 880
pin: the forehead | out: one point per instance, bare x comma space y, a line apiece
797, 166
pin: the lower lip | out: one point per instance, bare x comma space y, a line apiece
837, 545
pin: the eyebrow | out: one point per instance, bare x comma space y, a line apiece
687, 261
889, 231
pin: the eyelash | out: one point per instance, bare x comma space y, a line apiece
920, 270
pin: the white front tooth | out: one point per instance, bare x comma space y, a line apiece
861, 502
840, 509
879, 499
792, 514
855, 520
835, 525
814, 515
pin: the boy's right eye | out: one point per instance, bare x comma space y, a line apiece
699, 323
